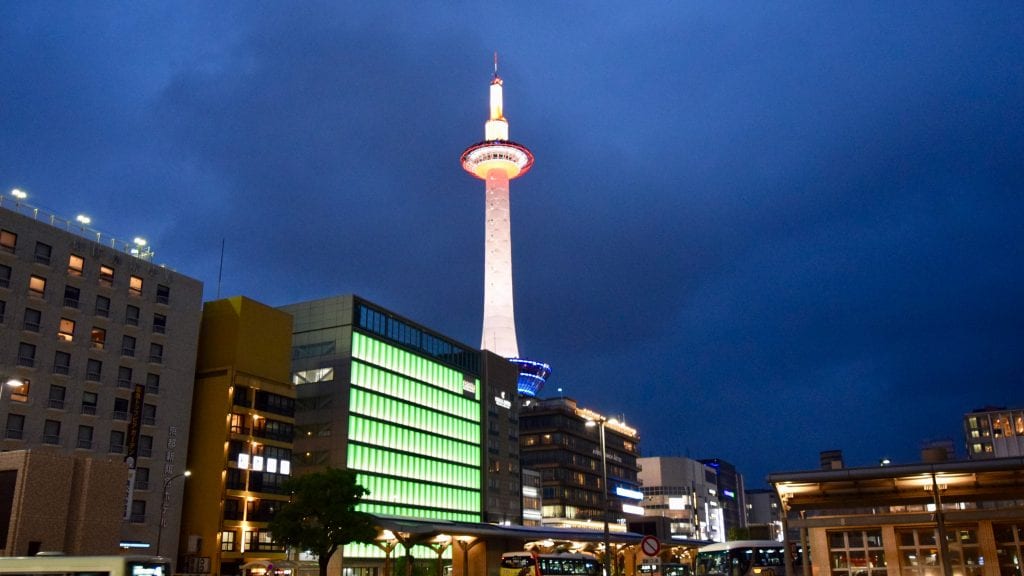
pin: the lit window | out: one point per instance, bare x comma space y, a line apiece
37, 286
106, 276
227, 539
67, 330
8, 240
135, 286
76, 265
20, 393
98, 337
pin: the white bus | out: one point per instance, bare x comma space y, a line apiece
741, 558
557, 564
53, 565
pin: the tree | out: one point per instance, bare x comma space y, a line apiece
321, 515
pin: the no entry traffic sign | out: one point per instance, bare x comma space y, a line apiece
650, 546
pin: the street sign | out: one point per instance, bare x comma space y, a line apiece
650, 546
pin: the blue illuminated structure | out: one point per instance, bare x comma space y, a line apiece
532, 375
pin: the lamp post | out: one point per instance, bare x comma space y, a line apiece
600, 423
163, 507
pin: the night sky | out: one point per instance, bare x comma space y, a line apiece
756, 231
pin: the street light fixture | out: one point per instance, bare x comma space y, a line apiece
163, 507
18, 194
600, 423
83, 219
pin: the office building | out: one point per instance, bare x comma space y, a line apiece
764, 514
99, 345
556, 441
994, 432
428, 424
240, 449
684, 492
497, 160
729, 488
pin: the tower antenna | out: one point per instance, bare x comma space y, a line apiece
495, 63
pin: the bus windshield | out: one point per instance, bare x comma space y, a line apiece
742, 558
531, 564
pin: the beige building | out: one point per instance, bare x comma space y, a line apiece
100, 345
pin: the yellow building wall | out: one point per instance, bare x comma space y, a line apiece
238, 336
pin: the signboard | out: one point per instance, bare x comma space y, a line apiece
650, 546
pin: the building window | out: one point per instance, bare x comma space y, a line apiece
152, 383
116, 442
131, 315
37, 286
138, 514
8, 241
93, 370
20, 393
227, 541
66, 331
156, 353
71, 295
135, 286
3, 310
33, 318
43, 253
142, 478
15, 426
61, 363
128, 346
5, 276
57, 394
103, 306
51, 432
163, 294
97, 337
26, 354
919, 551
159, 323
106, 276
149, 414
120, 408
76, 265
124, 377
145, 446
85, 437
89, 401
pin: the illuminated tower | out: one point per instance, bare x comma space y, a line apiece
496, 161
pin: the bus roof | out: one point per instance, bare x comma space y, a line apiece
719, 546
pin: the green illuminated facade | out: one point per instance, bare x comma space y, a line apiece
421, 418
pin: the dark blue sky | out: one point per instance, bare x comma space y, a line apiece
757, 231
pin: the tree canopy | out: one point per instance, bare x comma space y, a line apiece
321, 515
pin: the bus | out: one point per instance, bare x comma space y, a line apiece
741, 558
538, 564
55, 564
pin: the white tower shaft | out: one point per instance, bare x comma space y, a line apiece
499, 331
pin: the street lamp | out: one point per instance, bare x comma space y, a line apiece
163, 507
600, 423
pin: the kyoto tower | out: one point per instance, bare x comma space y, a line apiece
496, 161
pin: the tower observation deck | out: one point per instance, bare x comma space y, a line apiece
498, 160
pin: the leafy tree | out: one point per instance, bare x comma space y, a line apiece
321, 515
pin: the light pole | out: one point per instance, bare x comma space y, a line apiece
163, 507
600, 423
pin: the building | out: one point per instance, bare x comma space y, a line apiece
883, 520
240, 449
497, 160
429, 424
764, 514
682, 491
100, 345
556, 440
994, 432
728, 483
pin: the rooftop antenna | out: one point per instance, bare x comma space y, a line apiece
495, 63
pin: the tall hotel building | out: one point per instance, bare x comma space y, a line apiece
97, 360
428, 424
240, 449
